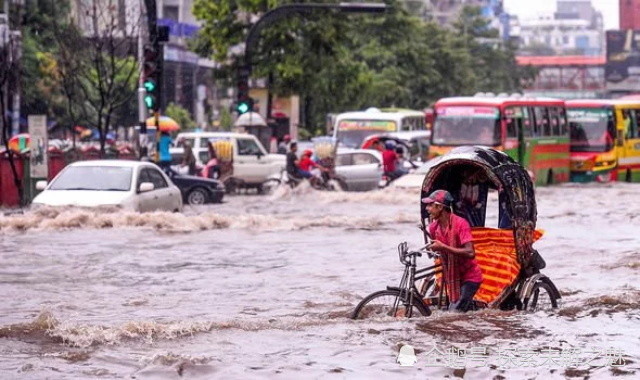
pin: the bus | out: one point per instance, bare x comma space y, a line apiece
605, 140
352, 128
532, 131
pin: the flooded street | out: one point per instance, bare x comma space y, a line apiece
262, 287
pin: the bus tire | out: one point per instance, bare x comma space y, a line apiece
550, 177
628, 179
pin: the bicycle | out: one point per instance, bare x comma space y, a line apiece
407, 298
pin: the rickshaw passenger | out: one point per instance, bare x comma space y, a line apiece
473, 196
452, 239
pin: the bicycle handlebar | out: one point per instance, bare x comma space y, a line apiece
404, 253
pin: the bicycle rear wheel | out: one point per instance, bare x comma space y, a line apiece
541, 298
387, 303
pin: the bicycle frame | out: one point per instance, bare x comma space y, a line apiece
409, 293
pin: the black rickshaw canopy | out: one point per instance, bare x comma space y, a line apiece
498, 171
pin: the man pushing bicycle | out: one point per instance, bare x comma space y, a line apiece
453, 241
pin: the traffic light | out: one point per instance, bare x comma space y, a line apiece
151, 76
244, 102
244, 106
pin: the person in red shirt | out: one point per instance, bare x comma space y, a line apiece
306, 164
389, 160
453, 240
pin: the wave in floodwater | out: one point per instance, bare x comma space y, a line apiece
101, 218
387, 195
47, 329
468, 327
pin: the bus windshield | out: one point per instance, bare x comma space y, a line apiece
351, 133
475, 125
592, 129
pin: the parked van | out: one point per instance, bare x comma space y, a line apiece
252, 165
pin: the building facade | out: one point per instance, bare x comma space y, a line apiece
629, 14
576, 28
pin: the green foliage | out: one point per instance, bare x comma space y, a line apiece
339, 62
226, 120
181, 116
40, 86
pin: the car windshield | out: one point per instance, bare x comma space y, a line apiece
592, 129
467, 126
100, 178
351, 133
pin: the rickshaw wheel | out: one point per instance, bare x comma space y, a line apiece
541, 298
387, 303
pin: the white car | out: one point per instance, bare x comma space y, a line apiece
132, 185
361, 168
251, 162
413, 180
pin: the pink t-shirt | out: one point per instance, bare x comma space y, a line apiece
460, 233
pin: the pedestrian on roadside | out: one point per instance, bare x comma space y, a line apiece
164, 157
189, 159
282, 147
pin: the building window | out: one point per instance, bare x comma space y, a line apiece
171, 12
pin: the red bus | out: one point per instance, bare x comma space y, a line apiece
533, 131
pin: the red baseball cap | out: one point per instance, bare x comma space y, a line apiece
439, 196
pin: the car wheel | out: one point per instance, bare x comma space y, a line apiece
197, 196
337, 185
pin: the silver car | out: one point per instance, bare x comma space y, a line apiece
361, 168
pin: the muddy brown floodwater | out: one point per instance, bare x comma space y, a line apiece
261, 287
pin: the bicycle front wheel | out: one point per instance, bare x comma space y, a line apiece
388, 303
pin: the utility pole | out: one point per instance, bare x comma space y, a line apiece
142, 110
14, 19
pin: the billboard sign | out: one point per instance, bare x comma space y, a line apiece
38, 145
622, 69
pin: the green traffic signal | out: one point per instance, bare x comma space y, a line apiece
150, 101
243, 107
149, 85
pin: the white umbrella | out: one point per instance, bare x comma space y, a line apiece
250, 119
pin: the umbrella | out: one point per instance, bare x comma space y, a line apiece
250, 119
166, 124
19, 142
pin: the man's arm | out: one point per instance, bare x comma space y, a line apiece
466, 251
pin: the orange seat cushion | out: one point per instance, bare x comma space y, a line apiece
496, 254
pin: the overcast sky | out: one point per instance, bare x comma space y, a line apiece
529, 8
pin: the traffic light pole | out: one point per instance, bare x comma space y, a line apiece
151, 75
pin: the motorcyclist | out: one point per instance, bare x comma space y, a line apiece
389, 161
293, 168
306, 164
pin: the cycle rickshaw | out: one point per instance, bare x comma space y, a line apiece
510, 265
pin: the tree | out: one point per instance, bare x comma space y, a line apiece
180, 115
41, 92
494, 61
97, 64
337, 62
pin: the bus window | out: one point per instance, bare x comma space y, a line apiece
632, 130
541, 127
562, 119
554, 121
514, 117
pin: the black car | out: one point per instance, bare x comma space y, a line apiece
197, 190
